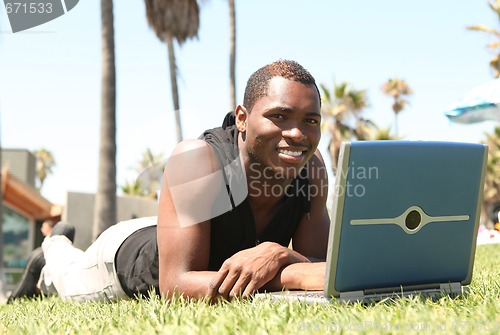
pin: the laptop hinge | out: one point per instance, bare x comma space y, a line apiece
360, 296
453, 288
352, 296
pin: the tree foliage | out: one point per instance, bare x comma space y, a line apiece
494, 45
399, 90
342, 116
149, 171
45, 163
491, 194
174, 20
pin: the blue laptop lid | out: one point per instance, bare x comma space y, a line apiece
405, 214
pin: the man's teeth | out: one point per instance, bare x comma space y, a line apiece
291, 153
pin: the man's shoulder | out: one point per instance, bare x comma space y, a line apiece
316, 168
189, 145
191, 157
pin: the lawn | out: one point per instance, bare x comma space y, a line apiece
476, 313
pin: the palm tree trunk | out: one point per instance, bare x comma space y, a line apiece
334, 145
396, 130
105, 200
173, 83
232, 54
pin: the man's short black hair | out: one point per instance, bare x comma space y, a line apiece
258, 83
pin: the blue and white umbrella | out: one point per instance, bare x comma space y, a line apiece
480, 104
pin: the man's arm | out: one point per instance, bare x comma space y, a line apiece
311, 237
183, 240
299, 276
184, 234
254, 268
309, 244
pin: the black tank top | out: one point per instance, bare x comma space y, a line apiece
233, 231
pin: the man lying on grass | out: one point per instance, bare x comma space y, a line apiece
230, 204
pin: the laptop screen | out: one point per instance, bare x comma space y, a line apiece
405, 214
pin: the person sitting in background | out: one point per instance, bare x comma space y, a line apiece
27, 286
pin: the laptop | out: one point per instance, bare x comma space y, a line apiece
405, 218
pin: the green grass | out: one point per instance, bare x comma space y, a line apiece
478, 313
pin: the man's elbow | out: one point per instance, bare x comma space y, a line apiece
171, 289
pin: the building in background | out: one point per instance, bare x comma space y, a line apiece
78, 210
21, 164
24, 210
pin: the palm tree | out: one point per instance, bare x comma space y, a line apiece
150, 171
105, 200
44, 164
133, 188
179, 20
342, 112
398, 89
232, 54
491, 194
383, 134
495, 45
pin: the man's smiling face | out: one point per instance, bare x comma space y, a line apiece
282, 131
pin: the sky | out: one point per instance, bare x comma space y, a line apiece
50, 75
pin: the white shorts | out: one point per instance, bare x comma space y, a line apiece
90, 275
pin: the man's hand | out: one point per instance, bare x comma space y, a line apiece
248, 270
303, 276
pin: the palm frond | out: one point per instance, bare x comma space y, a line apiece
178, 18
483, 28
495, 6
325, 92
